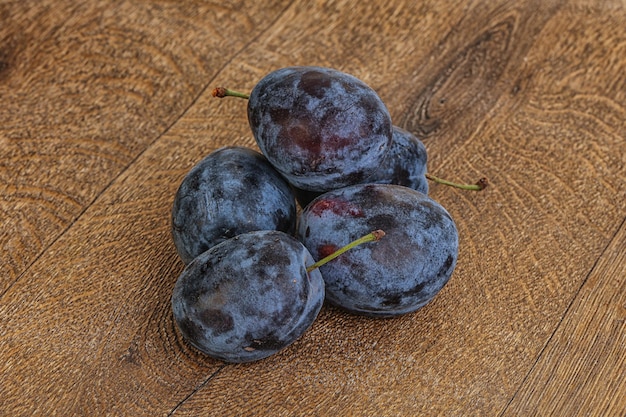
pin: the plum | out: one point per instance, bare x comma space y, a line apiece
231, 191
248, 297
321, 128
399, 274
405, 164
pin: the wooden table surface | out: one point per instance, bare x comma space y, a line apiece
107, 104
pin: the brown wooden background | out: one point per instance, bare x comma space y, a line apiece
105, 105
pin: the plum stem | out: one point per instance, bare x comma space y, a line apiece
370, 237
481, 184
222, 92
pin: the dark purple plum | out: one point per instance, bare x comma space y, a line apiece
248, 297
231, 191
322, 129
405, 164
400, 273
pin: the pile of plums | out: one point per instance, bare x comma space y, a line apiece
328, 144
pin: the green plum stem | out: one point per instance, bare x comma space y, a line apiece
481, 184
222, 92
376, 235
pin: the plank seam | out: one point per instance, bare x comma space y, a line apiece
198, 388
565, 313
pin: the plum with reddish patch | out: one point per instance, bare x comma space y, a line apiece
248, 297
400, 273
321, 128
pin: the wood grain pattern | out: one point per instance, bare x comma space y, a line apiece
85, 89
578, 374
529, 93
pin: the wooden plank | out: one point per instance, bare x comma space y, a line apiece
85, 88
87, 329
581, 371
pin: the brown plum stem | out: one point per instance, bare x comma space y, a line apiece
370, 237
481, 184
222, 92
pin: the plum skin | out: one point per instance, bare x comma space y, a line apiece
232, 190
406, 162
248, 297
322, 129
398, 274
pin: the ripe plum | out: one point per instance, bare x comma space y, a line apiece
405, 164
322, 129
231, 191
400, 273
248, 297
